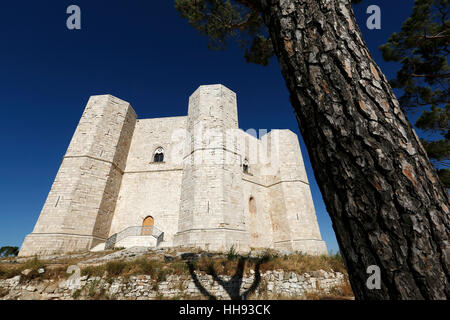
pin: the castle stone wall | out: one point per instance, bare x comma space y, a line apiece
152, 188
199, 196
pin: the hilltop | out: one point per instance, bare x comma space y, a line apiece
142, 273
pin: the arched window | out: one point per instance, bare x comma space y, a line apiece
252, 206
245, 166
147, 226
159, 155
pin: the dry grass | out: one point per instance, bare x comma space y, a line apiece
92, 291
3, 292
297, 263
155, 266
344, 290
157, 269
301, 263
341, 292
55, 271
12, 271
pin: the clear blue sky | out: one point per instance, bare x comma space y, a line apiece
140, 51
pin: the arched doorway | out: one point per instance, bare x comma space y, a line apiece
147, 226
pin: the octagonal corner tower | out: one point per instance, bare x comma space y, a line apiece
80, 206
211, 206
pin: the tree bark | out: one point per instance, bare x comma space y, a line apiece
384, 198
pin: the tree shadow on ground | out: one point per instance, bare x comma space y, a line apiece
232, 286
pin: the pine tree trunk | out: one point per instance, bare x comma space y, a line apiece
386, 203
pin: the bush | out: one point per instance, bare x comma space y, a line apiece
232, 254
76, 294
93, 271
145, 266
301, 263
3, 292
161, 275
9, 252
179, 268
33, 264
9, 273
115, 268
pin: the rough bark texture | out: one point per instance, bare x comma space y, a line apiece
386, 203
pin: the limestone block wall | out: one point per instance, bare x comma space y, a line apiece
152, 188
257, 214
255, 194
79, 208
137, 241
273, 285
297, 215
285, 218
211, 208
281, 230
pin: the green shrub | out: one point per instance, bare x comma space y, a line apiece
115, 268
9, 273
9, 252
33, 264
145, 266
76, 294
92, 288
179, 268
93, 271
232, 254
3, 292
161, 275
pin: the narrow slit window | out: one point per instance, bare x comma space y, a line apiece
245, 166
252, 206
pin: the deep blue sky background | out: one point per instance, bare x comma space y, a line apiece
139, 51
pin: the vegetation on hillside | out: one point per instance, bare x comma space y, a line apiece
8, 251
159, 268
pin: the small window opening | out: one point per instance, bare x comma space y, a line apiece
245, 166
159, 155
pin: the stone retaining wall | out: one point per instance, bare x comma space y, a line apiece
273, 285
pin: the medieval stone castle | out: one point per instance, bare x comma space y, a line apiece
192, 181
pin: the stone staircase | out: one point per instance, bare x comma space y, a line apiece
135, 236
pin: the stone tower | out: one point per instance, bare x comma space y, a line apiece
295, 222
211, 207
80, 206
